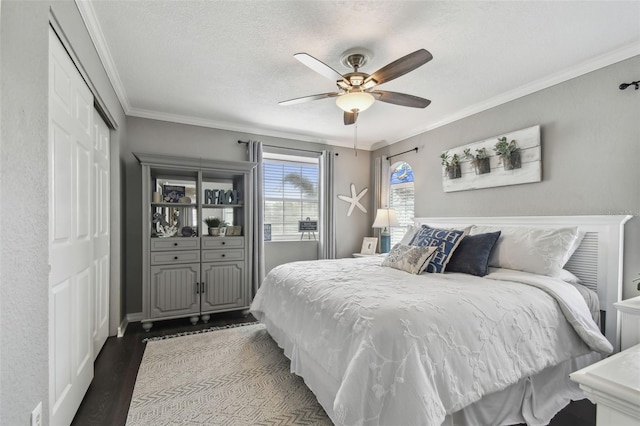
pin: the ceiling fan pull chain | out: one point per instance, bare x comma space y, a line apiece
355, 138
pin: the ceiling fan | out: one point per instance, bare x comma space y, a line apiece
356, 89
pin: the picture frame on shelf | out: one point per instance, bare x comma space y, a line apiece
369, 245
234, 231
172, 193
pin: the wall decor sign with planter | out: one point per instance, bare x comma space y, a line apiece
509, 159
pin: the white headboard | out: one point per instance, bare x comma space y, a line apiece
597, 262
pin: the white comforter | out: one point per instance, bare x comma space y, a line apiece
381, 346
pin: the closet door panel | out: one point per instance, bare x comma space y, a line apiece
101, 232
70, 237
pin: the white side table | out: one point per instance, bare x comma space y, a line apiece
614, 385
630, 322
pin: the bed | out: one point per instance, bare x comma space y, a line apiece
380, 346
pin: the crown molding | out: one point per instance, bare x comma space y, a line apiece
95, 32
593, 64
202, 122
102, 48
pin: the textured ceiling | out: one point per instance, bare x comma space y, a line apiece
226, 64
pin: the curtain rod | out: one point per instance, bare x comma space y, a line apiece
404, 152
294, 149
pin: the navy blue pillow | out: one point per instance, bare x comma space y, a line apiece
446, 241
472, 254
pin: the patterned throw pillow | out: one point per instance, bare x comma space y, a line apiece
445, 241
410, 259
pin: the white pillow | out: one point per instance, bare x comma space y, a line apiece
568, 277
408, 236
540, 251
574, 246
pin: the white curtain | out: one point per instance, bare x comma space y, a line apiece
257, 243
382, 174
327, 243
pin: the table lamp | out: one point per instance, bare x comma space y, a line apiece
385, 219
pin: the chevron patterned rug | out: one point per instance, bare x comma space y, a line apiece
236, 376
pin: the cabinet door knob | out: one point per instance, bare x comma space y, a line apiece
175, 244
223, 243
223, 255
176, 258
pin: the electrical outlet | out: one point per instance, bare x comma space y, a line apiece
36, 415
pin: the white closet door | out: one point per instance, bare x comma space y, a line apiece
71, 213
101, 234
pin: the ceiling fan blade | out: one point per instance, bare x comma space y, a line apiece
400, 99
308, 98
399, 67
320, 67
350, 118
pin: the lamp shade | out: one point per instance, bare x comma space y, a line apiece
385, 218
355, 100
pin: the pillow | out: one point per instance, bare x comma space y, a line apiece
568, 277
574, 246
408, 236
412, 259
446, 241
472, 254
531, 249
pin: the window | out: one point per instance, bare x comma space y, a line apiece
401, 197
291, 193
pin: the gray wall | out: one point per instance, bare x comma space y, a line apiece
280, 252
590, 134
162, 137
24, 315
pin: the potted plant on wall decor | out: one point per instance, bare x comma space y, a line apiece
214, 224
509, 153
451, 165
479, 161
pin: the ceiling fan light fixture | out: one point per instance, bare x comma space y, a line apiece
359, 101
369, 84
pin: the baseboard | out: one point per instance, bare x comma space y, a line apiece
122, 327
134, 317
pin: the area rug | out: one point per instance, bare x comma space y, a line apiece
234, 376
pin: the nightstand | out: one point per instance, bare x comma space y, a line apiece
614, 385
630, 322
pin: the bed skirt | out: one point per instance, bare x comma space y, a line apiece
534, 400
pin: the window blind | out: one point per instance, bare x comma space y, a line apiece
290, 194
401, 199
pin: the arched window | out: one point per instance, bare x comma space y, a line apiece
401, 197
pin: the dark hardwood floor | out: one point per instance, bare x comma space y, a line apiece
107, 400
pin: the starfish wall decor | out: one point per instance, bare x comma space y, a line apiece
354, 199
